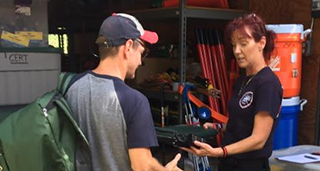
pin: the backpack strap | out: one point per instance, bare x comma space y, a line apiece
64, 81
83, 155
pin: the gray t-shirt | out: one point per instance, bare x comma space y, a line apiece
113, 117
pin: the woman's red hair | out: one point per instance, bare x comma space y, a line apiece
258, 29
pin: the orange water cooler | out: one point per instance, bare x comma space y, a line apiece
286, 58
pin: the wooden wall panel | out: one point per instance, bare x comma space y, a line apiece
297, 12
309, 90
284, 11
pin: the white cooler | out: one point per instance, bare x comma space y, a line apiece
24, 76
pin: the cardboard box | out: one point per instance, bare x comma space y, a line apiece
34, 27
154, 66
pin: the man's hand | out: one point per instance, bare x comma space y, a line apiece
142, 160
172, 165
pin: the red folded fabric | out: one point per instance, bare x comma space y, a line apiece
199, 3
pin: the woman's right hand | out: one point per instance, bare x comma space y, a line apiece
208, 125
204, 149
216, 126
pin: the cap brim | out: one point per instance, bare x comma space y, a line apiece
150, 37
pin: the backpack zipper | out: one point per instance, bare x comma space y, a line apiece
45, 112
1, 168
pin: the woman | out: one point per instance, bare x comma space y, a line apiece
255, 103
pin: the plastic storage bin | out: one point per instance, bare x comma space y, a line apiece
24, 76
15, 28
287, 129
286, 58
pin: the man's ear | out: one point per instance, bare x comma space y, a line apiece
128, 47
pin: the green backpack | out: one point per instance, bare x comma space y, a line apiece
43, 136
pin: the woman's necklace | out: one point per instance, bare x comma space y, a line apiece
244, 85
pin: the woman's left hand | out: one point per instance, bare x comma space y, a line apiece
204, 149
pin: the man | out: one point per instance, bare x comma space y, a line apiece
115, 118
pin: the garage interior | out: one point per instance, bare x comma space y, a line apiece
83, 18
74, 26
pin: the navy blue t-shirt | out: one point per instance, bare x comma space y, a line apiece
250, 95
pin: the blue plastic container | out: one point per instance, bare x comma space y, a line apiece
287, 129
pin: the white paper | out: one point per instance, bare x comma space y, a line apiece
301, 158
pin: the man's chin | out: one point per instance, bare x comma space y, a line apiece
130, 76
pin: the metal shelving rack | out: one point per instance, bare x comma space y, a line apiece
183, 12
187, 12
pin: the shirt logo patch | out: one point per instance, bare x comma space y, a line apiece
246, 100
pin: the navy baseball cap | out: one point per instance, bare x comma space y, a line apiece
120, 27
